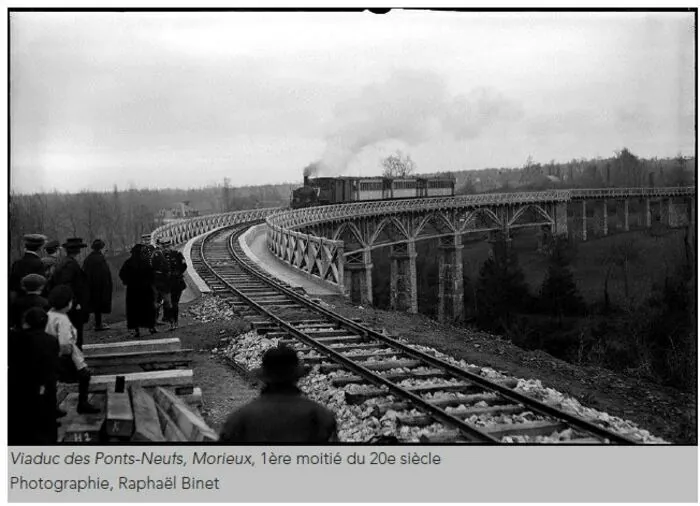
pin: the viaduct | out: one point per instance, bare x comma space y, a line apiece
333, 244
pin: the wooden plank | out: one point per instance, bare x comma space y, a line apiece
191, 425
167, 344
194, 399
176, 378
104, 362
533, 429
119, 421
146, 420
171, 431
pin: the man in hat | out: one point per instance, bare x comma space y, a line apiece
99, 281
68, 272
30, 263
177, 267
52, 257
281, 414
161, 279
32, 286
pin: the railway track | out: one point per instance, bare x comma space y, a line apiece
387, 375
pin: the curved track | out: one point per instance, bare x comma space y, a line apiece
375, 369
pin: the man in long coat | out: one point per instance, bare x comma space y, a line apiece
30, 263
68, 272
281, 414
99, 281
137, 275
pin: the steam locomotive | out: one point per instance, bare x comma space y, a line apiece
344, 189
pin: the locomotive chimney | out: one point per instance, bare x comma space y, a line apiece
306, 180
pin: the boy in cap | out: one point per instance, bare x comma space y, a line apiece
32, 286
32, 375
30, 263
281, 414
72, 365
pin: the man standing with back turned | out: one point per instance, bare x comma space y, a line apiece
281, 414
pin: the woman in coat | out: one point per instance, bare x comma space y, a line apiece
99, 280
137, 275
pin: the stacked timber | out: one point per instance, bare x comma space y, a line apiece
145, 392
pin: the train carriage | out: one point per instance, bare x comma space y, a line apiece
344, 189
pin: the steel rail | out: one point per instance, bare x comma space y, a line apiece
468, 430
538, 406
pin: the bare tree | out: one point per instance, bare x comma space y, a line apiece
398, 165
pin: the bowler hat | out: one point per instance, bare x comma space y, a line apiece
34, 240
52, 245
74, 243
280, 365
33, 282
98, 244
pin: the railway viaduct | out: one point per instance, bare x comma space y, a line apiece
334, 243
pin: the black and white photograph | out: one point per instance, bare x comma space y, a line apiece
360, 226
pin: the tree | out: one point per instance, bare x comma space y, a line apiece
559, 295
398, 165
501, 288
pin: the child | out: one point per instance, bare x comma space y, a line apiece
33, 370
72, 365
32, 286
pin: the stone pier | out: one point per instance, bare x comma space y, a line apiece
623, 215
450, 280
600, 219
358, 277
584, 225
404, 289
561, 225
647, 213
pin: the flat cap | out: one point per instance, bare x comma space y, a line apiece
34, 239
33, 282
53, 244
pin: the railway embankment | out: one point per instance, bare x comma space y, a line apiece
628, 404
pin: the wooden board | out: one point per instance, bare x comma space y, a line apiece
171, 431
146, 420
113, 363
143, 345
77, 428
176, 378
119, 421
191, 425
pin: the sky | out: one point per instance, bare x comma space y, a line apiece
186, 99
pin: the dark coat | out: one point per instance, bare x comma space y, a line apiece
99, 282
280, 415
69, 272
140, 302
28, 264
178, 267
32, 376
24, 302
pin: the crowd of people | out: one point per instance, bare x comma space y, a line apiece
51, 299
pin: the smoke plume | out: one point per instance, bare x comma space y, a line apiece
413, 107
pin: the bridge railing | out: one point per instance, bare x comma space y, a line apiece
676, 191
313, 215
182, 231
